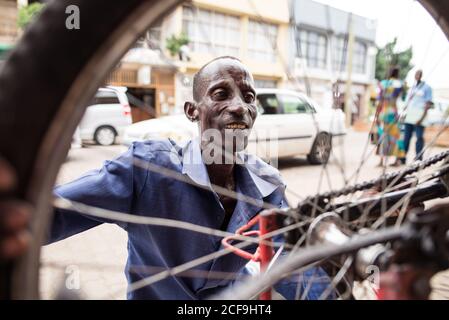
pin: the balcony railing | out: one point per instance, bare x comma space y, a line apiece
123, 77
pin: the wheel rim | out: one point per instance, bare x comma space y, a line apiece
105, 136
323, 148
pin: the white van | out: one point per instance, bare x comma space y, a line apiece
106, 117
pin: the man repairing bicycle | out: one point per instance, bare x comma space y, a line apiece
224, 101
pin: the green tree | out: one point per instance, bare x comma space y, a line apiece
174, 43
388, 57
27, 13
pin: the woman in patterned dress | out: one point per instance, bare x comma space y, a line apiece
390, 141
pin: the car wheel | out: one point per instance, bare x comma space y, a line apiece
321, 149
105, 136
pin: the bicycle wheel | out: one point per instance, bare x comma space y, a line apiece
70, 64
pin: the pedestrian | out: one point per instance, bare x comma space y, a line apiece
389, 133
419, 101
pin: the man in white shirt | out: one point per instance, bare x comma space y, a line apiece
419, 101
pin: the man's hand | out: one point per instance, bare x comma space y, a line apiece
14, 218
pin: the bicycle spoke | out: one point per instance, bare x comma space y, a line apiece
201, 260
340, 274
144, 220
139, 269
309, 283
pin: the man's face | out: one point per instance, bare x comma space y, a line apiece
227, 102
418, 75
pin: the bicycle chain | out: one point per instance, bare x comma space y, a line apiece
384, 179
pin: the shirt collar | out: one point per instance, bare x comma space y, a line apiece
193, 165
266, 178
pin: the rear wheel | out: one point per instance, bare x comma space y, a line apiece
321, 149
105, 136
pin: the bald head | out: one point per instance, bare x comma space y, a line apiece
224, 96
213, 69
418, 75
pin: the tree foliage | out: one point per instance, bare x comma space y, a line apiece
27, 13
387, 57
174, 43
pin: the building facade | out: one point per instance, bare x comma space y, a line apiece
319, 53
150, 78
254, 31
297, 44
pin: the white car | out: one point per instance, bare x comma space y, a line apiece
106, 117
439, 113
289, 124
76, 139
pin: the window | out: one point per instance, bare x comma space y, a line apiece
293, 104
339, 56
151, 38
358, 59
268, 104
313, 47
259, 83
211, 32
262, 39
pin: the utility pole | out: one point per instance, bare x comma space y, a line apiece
348, 91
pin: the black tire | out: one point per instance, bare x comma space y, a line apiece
45, 82
321, 149
105, 136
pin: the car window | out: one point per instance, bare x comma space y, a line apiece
293, 104
268, 104
105, 97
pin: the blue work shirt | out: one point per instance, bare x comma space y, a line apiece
123, 186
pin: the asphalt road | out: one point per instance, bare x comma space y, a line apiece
91, 263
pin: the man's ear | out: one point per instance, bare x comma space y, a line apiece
191, 111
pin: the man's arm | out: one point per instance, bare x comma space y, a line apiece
111, 187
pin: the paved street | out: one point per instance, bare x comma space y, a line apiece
98, 255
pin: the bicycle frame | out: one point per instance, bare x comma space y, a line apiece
332, 232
